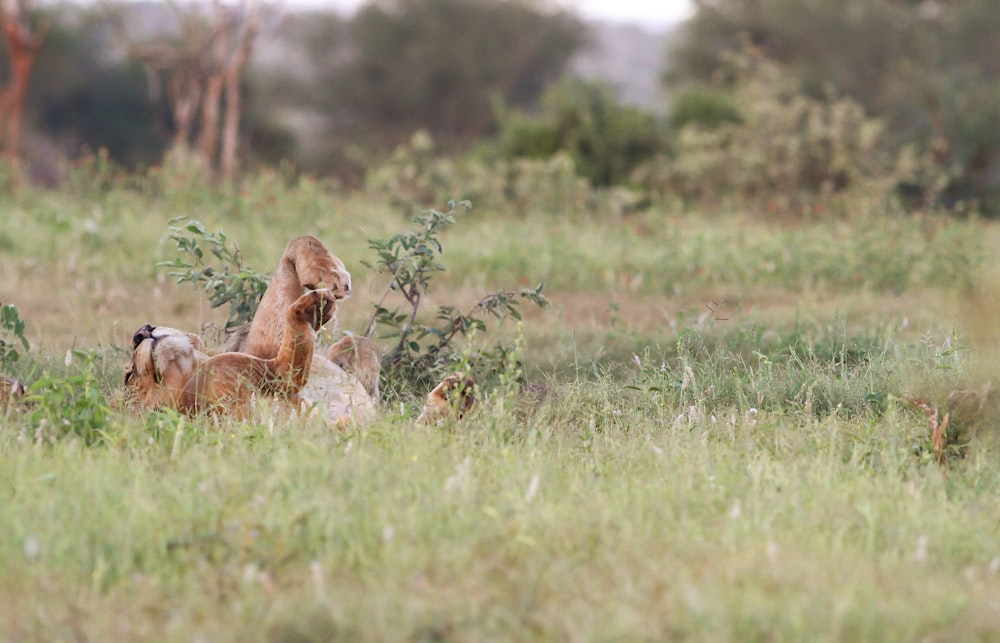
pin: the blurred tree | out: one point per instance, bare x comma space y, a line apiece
703, 106
929, 68
198, 69
439, 65
605, 138
23, 44
86, 97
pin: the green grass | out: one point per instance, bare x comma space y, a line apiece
725, 452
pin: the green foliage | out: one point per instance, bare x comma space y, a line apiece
753, 368
424, 351
11, 335
786, 151
210, 263
417, 173
605, 138
703, 107
438, 64
928, 70
70, 403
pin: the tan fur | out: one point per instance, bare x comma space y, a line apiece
169, 368
10, 390
338, 396
228, 381
359, 356
306, 264
452, 398
163, 360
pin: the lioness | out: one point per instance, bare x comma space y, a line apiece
169, 368
343, 381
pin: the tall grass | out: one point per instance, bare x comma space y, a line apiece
725, 451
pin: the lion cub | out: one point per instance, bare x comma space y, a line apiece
229, 381
452, 398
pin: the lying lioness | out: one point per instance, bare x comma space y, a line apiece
169, 368
342, 382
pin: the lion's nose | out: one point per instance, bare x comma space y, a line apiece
144, 333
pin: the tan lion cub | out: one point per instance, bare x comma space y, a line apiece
306, 264
228, 381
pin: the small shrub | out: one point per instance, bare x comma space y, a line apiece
703, 107
424, 351
549, 185
785, 151
212, 264
11, 335
70, 404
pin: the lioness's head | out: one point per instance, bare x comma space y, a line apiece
163, 360
317, 267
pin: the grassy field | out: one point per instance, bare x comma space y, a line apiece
725, 452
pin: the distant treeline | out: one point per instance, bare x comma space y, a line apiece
780, 103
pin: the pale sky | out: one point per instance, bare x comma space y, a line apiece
649, 12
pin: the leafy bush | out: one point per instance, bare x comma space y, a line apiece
786, 152
605, 138
70, 404
225, 279
414, 173
425, 351
703, 107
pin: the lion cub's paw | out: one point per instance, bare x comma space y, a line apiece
316, 307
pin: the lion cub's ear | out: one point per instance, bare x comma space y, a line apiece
196, 342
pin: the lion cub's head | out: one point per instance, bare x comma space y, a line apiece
452, 398
359, 356
163, 360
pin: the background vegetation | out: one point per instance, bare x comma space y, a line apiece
912, 101
761, 406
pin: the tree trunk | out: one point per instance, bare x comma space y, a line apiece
231, 131
23, 47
